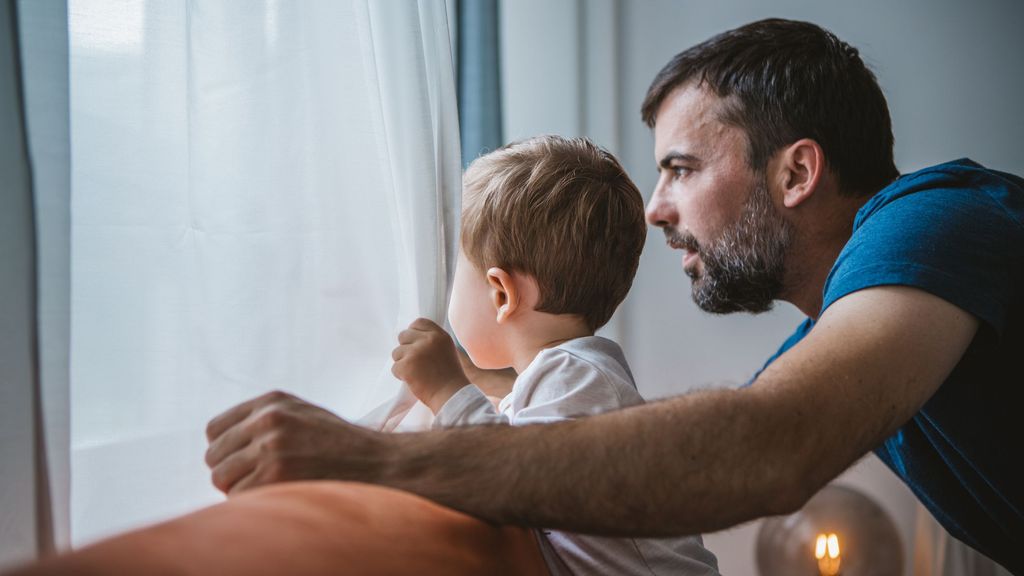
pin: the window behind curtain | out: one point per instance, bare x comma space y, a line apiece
236, 196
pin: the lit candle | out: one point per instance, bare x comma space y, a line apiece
826, 550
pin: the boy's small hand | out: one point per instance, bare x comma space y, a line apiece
426, 359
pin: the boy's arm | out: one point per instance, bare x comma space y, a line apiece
467, 407
427, 360
690, 464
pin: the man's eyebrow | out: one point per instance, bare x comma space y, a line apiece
666, 161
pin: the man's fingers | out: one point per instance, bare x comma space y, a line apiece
249, 481
235, 467
408, 336
265, 472
232, 416
221, 423
234, 439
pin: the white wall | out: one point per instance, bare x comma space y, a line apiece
952, 73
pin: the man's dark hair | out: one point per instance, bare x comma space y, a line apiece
790, 80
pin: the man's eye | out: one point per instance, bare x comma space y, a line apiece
680, 171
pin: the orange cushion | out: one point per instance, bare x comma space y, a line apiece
307, 529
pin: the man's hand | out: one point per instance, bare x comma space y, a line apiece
278, 437
426, 359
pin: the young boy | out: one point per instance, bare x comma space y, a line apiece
552, 230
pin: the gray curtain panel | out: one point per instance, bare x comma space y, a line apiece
34, 277
478, 78
20, 530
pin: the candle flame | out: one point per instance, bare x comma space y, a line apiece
833, 546
826, 550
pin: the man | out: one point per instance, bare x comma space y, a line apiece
774, 148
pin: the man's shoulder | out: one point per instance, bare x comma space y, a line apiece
958, 182
953, 230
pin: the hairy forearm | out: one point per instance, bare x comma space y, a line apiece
653, 470
690, 464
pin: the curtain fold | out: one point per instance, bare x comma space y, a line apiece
420, 148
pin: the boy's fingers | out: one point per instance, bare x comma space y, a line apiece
424, 325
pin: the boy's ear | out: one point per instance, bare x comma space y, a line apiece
801, 167
504, 293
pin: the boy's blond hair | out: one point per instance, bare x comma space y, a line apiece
562, 210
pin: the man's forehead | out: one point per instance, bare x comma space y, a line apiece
689, 121
692, 98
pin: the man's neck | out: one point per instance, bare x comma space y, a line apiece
814, 253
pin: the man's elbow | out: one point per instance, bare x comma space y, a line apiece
797, 478
792, 476
785, 498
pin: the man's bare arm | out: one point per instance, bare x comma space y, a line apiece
691, 464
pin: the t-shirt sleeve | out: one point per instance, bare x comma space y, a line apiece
467, 407
793, 339
959, 244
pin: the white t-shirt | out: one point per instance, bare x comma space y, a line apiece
581, 377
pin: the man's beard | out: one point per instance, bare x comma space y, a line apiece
744, 267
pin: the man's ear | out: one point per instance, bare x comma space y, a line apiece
799, 170
504, 293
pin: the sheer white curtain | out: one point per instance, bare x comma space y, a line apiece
263, 194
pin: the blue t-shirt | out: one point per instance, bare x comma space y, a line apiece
957, 231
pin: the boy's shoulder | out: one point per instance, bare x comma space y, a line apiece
598, 353
589, 375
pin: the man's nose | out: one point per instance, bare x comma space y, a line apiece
661, 212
